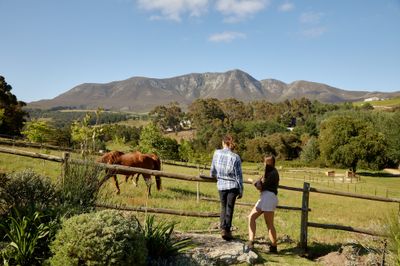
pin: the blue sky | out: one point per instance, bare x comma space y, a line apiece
49, 46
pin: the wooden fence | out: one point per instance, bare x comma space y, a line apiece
204, 167
306, 190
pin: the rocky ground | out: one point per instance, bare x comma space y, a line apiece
211, 249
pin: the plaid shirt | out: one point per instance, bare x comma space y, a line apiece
226, 166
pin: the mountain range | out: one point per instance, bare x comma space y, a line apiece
143, 94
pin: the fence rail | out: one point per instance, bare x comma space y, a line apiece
346, 228
202, 178
204, 167
252, 204
159, 210
353, 195
19, 143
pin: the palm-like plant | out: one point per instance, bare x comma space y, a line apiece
159, 240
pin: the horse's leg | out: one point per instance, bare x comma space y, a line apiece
127, 178
136, 179
104, 179
147, 179
116, 184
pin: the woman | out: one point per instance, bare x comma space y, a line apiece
226, 167
266, 205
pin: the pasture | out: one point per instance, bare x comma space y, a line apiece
181, 195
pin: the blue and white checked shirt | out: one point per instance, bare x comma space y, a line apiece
226, 166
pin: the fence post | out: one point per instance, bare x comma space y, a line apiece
198, 186
304, 216
65, 165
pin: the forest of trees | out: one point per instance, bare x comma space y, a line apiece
340, 135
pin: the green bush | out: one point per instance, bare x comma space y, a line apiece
28, 216
99, 238
27, 192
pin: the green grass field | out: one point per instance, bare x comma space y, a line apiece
383, 103
181, 195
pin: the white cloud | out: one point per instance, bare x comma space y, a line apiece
238, 10
174, 9
226, 36
286, 7
311, 17
313, 32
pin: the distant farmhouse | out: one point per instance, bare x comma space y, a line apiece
372, 99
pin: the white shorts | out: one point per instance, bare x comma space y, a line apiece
267, 202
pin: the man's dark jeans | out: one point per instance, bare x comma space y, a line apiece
227, 198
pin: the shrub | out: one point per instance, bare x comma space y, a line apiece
27, 192
28, 213
159, 241
99, 238
80, 187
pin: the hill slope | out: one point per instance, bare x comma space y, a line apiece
142, 94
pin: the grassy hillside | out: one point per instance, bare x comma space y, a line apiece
389, 103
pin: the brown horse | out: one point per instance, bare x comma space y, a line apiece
157, 163
132, 159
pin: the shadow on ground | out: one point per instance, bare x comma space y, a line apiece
378, 174
181, 193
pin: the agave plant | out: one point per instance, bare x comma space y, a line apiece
159, 240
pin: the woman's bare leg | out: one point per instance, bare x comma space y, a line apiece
269, 220
254, 214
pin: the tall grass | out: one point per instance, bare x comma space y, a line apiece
80, 187
394, 237
23, 234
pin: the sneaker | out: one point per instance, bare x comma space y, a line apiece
273, 249
250, 245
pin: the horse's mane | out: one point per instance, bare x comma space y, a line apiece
111, 157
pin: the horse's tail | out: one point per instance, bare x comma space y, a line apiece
157, 166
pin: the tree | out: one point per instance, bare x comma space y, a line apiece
38, 131
186, 152
346, 141
204, 111
310, 151
168, 117
1, 116
13, 117
152, 141
234, 110
87, 136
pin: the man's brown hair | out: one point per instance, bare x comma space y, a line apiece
228, 140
